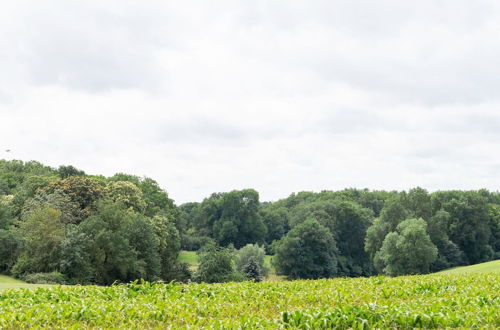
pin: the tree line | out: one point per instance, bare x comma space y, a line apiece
62, 224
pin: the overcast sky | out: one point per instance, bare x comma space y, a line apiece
279, 96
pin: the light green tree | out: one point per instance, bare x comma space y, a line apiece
408, 250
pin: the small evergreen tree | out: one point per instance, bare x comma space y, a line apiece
252, 270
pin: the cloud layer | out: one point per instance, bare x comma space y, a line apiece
280, 96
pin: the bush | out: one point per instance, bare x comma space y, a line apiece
248, 252
216, 265
45, 278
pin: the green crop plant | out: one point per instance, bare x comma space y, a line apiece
430, 301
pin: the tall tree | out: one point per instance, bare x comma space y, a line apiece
408, 250
307, 251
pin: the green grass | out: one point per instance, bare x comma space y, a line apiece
189, 257
491, 266
428, 301
7, 282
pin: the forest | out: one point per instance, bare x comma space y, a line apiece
61, 225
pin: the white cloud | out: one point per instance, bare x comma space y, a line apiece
281, 96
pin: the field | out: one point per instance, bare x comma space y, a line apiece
189, 257
7, 282
438, 300
492, 266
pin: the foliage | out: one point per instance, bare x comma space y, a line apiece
409, 250
65, 171
169, 244
122, 245
252, 270
216, 264
251, 252
41, 236
126, 193
231, 218
307, 251
45, 278
83, 191
9, 243
468, 301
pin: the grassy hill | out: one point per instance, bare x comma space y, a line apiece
7, 282
485, 267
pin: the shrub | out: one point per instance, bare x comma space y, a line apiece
45, 278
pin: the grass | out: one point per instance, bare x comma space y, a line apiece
189, 257
485, 267
7, 282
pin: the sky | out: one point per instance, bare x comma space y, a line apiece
280, 96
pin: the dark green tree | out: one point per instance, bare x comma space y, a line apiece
65, 171
216, 264
252, 270
307, 251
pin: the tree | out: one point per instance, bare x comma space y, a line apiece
252, 270
307, 251
75, 262
41, 236
351, 224
128, 194
276, 221
254, 252
392, 214
449, 254
122, 244
169, 246
9, 245
70, 211
216, 265
83, 191
408, 250
231, 218
418, 203
65, 171
469, 224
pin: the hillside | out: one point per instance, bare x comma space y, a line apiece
485, 267
7, 282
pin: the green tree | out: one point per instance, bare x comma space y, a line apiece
252, 270
408, 250
216, 265
75, 262
83, 191
276, 221
65, 171
9, 247
169, 246
307, 251
128, 194
122, 244
41, 236
254, 252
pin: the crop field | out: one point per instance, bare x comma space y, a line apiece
454, 300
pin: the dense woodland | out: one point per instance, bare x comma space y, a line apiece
62, 225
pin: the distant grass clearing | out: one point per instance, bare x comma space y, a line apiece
7, 282
491, 266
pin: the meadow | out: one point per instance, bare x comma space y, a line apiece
429, 301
